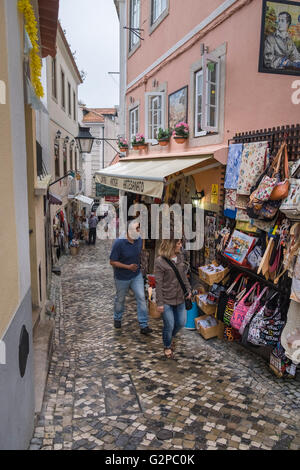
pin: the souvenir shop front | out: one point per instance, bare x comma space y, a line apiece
252, 287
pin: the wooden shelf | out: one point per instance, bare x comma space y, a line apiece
251, 274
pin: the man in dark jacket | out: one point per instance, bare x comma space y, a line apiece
125, 259
93, 221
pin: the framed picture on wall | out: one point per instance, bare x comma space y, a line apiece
178, 107
280, 37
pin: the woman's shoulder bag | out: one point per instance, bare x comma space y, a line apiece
188, 302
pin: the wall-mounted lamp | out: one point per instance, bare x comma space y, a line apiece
196, 200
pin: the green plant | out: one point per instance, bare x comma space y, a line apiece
138, 139
122, 142
164, 134
181, 130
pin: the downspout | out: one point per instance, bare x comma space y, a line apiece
103, 147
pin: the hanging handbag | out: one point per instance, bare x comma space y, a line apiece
251, 311
281, 190
188, 302
265, 199
255, 327
291, 204
263, 320
224, 297
241, 309
233, 299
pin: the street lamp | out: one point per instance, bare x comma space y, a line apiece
85, 140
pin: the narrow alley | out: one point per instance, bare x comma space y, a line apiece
113, 389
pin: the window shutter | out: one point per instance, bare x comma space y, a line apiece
211, 89
148, 117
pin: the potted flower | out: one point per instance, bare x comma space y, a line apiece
138, 142
163, 136
181, 132
123, 144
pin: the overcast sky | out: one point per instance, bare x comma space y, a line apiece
92, 30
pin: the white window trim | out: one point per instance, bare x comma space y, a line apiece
132, 112
163, 113
210, 58
153, 21
204, 117
133, 46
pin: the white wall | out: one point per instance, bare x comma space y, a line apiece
16, 98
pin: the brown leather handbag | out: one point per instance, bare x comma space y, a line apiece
281, 189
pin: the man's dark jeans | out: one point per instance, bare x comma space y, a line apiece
92, 236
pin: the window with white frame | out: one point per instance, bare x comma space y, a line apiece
134, 121
134, 22
158, 7
207, 89
54, 78
155, 114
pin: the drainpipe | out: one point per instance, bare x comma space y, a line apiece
103, 147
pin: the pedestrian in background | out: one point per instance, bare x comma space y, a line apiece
170, 297
125, 259
93, 221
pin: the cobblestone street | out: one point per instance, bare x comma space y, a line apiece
111, 389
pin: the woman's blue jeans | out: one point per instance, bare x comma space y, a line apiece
174, 318
137, 285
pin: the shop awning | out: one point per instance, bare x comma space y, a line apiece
84, 199
145, 177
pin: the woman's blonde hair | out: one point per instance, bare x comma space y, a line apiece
167, 248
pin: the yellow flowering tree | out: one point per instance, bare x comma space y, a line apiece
26, 9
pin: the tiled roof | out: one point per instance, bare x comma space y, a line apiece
91, 116
97, 114
110, 111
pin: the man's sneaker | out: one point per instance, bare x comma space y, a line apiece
117, 323
146, 330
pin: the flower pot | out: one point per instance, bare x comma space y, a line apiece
180, 140
123, 149
136, 146
163, 143
142, 147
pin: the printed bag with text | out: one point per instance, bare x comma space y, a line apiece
242, 308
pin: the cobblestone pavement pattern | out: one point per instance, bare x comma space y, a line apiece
111, 389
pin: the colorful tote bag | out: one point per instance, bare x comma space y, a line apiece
291, 204
265, 188
252, 165
233, 166
241, 309
251, 311
256, 326
230, 203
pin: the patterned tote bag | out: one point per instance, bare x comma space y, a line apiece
252, 165
241, 309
